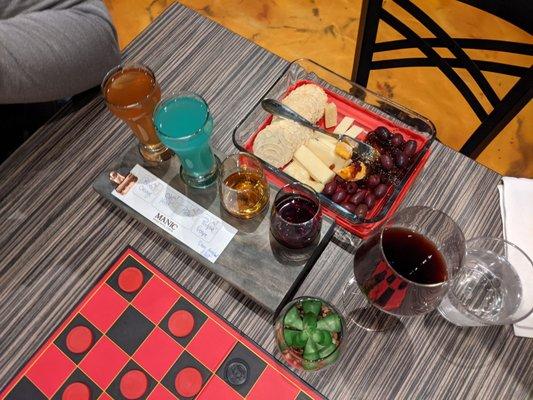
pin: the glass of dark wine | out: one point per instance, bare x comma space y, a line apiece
296, 216
404, 269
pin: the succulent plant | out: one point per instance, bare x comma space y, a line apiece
307, 328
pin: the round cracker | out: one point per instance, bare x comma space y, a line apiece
308, 100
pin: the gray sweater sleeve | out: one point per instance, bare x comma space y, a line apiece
53, 49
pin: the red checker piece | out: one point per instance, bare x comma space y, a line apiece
133, 384
181, 323
188, 382
76, 391
130, 279
79, 339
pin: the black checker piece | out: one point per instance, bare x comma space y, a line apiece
237, 372
239, 360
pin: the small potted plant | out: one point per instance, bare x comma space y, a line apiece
309, 333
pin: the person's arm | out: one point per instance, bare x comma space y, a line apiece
51, 54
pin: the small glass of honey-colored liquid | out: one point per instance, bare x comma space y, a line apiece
244, 191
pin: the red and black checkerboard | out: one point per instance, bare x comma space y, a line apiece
139, 335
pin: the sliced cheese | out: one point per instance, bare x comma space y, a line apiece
344, 125
326, 153
297, 171
330, 115
354, 131
317, 186
316, 168
327, 139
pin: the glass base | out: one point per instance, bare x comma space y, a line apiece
202, 181
158, 153
360, 311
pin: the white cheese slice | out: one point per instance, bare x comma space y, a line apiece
326, 152
330, 115
297, 171
317, 186
327, 139
354, 131
316, 168
344, 125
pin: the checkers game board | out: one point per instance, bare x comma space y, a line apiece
139, 335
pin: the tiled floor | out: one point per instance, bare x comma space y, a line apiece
325, 30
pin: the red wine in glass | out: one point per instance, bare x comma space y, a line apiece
404, 268
401, 272
295, 220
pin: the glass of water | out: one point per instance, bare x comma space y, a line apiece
494, 286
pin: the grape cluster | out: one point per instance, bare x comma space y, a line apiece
396, 155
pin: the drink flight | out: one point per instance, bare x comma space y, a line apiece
406, 275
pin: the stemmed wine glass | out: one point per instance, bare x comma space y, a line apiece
404, 268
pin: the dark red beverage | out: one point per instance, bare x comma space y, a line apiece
295, 220
409, 280
413, 256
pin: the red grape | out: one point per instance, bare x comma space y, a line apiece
350, 207
397, 140
358, 197
386, 161
370, 199
340, 182
400, 160
409, 148
339, 196
330, 188
373, 180
351, 187
380, 190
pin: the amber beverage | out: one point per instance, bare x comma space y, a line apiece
131, 93
244, 191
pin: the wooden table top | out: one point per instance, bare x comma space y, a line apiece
57, 234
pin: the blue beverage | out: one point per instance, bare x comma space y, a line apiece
183, 124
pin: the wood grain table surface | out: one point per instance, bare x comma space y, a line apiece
57, 235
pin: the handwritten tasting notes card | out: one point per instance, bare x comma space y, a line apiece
181, 217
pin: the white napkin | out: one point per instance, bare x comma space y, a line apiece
516, 204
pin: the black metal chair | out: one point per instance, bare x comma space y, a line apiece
517, 12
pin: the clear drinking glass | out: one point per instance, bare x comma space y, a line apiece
184, 124
404, 269
309, 332
243, 187
131, 93
492, 286
296, 216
